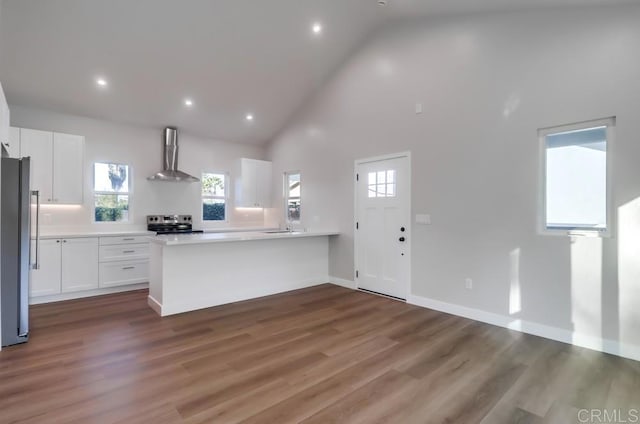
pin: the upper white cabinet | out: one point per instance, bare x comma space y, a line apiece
38, 145
4, 118
253, 186
68, 155
56, 165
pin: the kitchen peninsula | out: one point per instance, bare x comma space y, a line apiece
195, 271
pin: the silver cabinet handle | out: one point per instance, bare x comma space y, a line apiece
128, 267
36, 264
128, 251
128, 239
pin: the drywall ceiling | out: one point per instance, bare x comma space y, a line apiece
231, 57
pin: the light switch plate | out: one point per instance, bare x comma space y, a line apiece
423, 219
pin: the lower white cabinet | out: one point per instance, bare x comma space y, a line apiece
79, 264
86, 263
122, 273
124, 260
45, 280
65, 266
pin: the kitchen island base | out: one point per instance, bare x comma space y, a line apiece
191, 276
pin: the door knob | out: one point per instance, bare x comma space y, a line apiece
401, 239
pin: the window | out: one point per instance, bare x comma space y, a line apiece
575, 177
214, 197
111, 188
382, 183
292, 196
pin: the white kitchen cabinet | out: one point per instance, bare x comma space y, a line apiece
13, 144
57, 165
122, 273
124, 260
70, 265
253, 186
79, 269
68, 160
45, 280
123, 252
38, 145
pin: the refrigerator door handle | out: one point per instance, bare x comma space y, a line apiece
36, 263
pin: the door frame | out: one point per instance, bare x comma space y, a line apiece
357, 162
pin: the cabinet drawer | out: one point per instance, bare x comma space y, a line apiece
104, 241
122, 273
120, 252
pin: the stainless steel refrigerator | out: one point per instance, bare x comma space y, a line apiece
15, 237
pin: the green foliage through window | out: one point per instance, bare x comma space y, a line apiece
111, 192
213, 197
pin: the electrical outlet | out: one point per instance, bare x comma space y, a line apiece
468, 283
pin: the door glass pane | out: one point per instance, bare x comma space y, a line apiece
382, 183
391, 176
372, 178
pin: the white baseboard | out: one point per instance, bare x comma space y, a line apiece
342, 282
86, 293
154, 304
554, 333
216, 299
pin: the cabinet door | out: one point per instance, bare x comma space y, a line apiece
13, 144
79, 264
39, 146
246, 195
122, 273
45, 280
263, 184
68, 167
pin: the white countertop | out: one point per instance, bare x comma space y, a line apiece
184, 239
84, 232
89, 233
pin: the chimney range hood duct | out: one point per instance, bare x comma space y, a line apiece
170, 170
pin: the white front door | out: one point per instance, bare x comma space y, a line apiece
383, 225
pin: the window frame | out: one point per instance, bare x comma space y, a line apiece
95, 192
610, 124
227, 182
286, 196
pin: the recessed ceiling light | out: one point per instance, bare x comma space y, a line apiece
316, 28
101, 82
188, 102
249, 117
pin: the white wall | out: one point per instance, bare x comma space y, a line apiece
141, 148
487, 82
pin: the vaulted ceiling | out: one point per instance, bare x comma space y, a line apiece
231, 58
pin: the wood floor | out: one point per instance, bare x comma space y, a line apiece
319, 355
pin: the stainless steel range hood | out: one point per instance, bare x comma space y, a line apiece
170, 171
